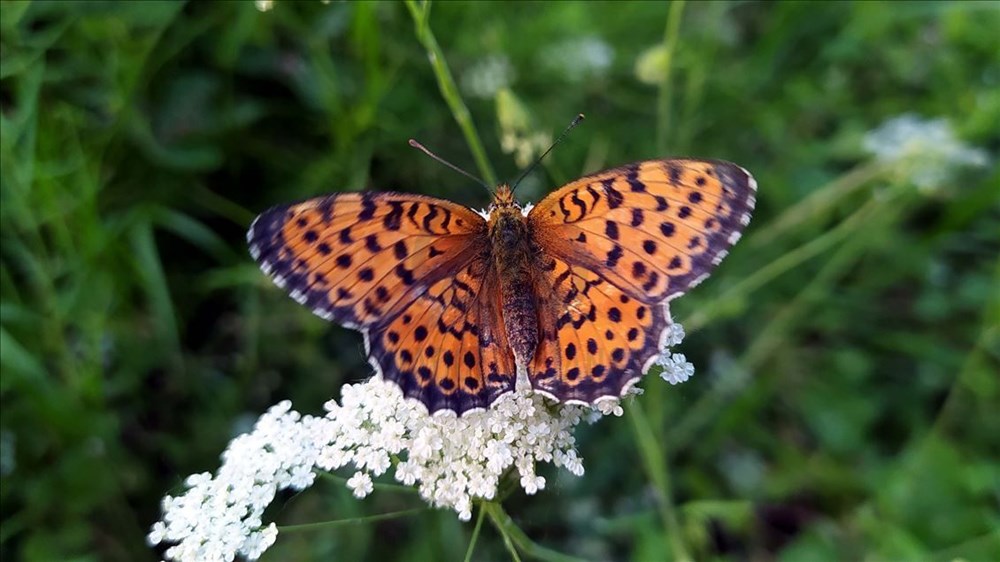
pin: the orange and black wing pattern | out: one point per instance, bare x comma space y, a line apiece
622, 244
405, 270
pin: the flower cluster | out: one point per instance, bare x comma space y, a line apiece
578, 59
488, 76
926, 152
517, 133
219, 517
451, 460
676, 368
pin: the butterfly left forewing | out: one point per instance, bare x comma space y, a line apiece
405, 270
355, 258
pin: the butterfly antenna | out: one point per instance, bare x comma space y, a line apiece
576, 121
423, 149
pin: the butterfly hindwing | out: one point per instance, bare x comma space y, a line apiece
448, 349
395, 266
595, 339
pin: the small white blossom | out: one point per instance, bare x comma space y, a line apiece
524, 147
676, 368
452, 460
361, 484
259, 541
264, 5
925, 152
675, 335
609, 407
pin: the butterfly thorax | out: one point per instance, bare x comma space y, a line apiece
514, 253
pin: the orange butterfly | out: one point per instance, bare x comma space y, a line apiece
452, 304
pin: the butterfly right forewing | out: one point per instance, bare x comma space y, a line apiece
654, 228
621, 244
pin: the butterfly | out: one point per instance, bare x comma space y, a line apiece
571, 294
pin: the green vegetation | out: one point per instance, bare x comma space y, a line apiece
847, 399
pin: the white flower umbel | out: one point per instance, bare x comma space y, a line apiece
578, 59
451, 460
488, 76
219, 517
926, 152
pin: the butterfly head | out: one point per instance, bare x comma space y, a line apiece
503, 199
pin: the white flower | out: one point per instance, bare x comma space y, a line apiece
524, 147
924, 151
488, 76
361, 484
651, 66
675, 335
452, 460
676, 368
517, 132
264, 5
578, 59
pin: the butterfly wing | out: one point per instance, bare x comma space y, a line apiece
405, 270
625, 242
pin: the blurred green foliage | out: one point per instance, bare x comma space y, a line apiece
846, 405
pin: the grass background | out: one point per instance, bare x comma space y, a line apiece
846, 401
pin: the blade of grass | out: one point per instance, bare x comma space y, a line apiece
782, 264
449, 90
819, 201
665, 100
149, 269
877, 211
654, 460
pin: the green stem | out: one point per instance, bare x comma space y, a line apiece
876, 211
654, 459
955, 407
475, 533
780, 265
449, 90
663, 107
353, 520
516, 539
886, 210
387, 486
818, 202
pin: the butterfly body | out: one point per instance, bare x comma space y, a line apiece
573, 294
515, 259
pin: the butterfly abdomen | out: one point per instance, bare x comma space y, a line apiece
513, 257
